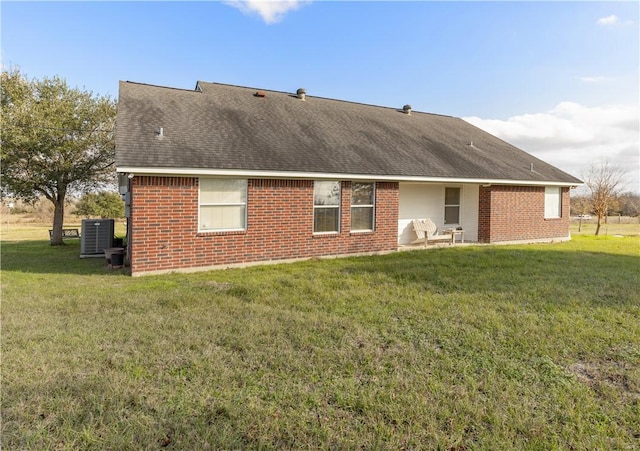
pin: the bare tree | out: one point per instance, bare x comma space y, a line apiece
605, 182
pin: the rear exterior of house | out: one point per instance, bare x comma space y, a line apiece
225, 175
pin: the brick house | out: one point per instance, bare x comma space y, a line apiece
225, 175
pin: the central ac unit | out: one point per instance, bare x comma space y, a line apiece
97, 235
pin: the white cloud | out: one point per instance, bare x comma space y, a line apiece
271, 11
612, 20
609, 20
572, 136
596, 79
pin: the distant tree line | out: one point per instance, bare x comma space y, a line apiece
625, 204
104, 204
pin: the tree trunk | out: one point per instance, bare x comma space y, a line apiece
598, 225
58, 221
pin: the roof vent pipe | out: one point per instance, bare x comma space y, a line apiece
301, 93
406, 109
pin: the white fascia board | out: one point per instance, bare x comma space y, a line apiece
199, 172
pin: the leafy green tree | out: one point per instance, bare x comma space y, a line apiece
100, 205
55, 140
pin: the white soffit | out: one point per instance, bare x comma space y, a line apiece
195, 172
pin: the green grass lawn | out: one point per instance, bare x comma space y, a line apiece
460, 348
626, 227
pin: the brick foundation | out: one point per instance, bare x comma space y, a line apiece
164, 225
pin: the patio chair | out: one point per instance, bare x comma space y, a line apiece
426, 231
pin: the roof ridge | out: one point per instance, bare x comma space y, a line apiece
352, 102
157, 86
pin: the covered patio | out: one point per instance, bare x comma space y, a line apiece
453, 208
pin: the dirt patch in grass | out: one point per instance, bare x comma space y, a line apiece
611, 379
218, 286
607, 373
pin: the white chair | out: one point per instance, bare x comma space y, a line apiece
427, 231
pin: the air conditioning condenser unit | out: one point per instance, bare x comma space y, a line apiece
97, 235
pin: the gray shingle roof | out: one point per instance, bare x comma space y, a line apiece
220, 126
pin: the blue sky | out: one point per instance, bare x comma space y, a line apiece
558, 79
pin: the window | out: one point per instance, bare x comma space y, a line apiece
452, 206
552, 202
223, 204
326, 207
362, 202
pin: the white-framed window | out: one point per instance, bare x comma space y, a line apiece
326, 206
552, 202
362, 206
223, 204
451, 206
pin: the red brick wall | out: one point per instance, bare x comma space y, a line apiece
516, 213
164, 225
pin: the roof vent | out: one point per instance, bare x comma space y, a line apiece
301, 93
406, 109
259, 94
